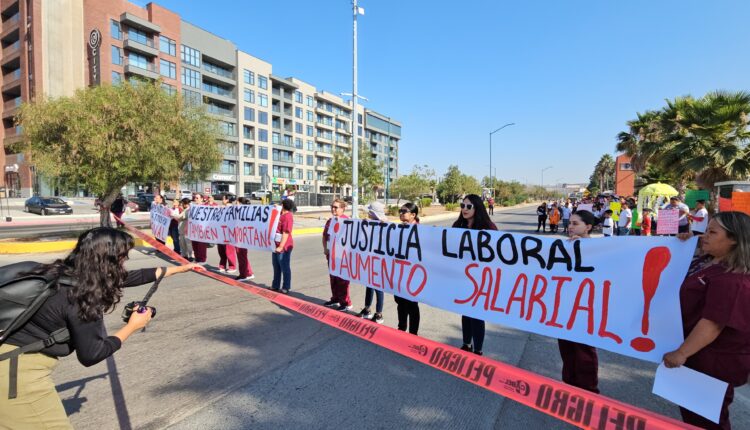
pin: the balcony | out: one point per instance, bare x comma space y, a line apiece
11, 51
145, 47
10, 25
13, 135
220, 96
323, 139
322, 124
10, 108
218, 75
9, 7
12, 80
323, 154
287, 162
137, 22
219, 111
146, 70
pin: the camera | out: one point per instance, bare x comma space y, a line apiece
132, 306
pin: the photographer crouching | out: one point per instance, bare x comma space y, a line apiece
87, 284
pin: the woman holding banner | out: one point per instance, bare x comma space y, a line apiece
580, 361
200, 249
408, 310
243, 263
475, 217
339, 286
715, 298
281, 256
227, 253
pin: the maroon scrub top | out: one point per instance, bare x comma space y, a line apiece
724, 298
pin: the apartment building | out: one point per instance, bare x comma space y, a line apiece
275, 131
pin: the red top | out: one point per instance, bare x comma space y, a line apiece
646, 226
286, 223
724, 298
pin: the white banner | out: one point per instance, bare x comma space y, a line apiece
244, 226
161, 216
619, 294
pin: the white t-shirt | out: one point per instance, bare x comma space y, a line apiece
565, 212
607, 227
700, 226
626, 216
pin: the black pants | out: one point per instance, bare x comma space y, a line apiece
541, 222
492, 209
408, 314
174, 233
473, 332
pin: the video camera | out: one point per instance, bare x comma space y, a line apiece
140, 306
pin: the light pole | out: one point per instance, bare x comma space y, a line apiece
492, 180
356, 10
546, 168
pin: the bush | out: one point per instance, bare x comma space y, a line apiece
451, 206
393, 210
425, 202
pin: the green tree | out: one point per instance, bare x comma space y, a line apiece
602, 178
370, 171
107, 136
413, 185
455, 184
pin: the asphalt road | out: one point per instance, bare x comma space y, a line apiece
217, 357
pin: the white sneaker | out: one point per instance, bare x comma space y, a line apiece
232, 271
222, 270
249, 278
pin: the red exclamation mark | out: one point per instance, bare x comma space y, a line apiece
271, 220
654, 264
332, 255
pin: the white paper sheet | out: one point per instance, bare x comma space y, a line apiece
690, 389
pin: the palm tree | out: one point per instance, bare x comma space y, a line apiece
641, 131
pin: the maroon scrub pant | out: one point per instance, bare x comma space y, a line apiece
199, 250
580, 365
227, 254
244, 263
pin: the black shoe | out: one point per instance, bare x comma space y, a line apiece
478, 352
330, 304
466, 347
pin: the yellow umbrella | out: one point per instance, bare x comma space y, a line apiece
657, 189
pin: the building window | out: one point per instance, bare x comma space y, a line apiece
116, 55
310, 116
626, 166
309, 175
298, 173
192, 98
275, 138
249, 96
116, 78
249, 151
298, 127
263, 137
298, 112
298, 96
310, 160
310, 145
310, 101
248, 132
263, 152
263, 170
310, 130
114, 29
249, 169
229, 167
248, 77
263, 117
138, 60
191, 78
167, 46
299, 159
263, 99
190, 56
249, 114
139, 36
167, 68
263, 82
169, 89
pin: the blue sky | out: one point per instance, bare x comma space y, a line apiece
568, 73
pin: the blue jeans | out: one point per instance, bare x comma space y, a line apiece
282, 267
623, 231
379, 303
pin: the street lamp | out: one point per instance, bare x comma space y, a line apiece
543, 170
492, 180
356, 10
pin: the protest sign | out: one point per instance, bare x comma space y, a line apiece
668, 221
741, 202
692, 196
615, 207
244, 226
161, 216
586, 207
554, 287
725, 204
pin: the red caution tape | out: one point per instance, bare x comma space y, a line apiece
562, 401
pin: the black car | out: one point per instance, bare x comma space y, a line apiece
144, 202
47, 206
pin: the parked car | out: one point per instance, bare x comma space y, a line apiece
184, 194
259, 194
144, 202
47, 206
129, 203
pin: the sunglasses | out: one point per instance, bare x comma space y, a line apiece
467, 206
403, 211
335, 207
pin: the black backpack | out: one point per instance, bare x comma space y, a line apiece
20, 297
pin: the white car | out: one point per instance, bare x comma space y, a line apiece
184, 194
259, 194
